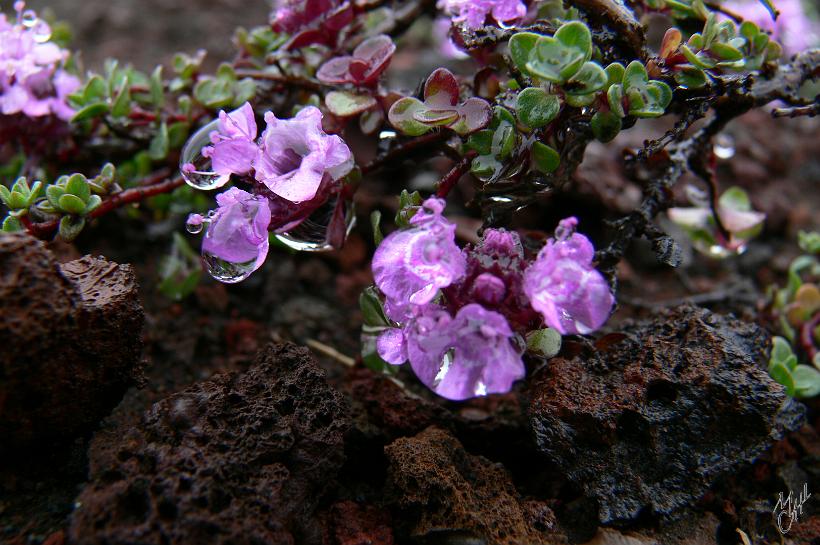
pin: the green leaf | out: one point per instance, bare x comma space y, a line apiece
781, 350
244, 90
554, 61
213, 93
94, 201
576, 35
71, 204
346, 104
157, 93
615, 97
635, 76
372, 309
726, 52
158, 148
5, 194
691, 78
544, 342
806, 381
402, 116
53, 194
614, 74
178, 134
71, 227
375, 223
78, 185
12, 224
605, 125
735, 198
590, 78
521, 44
97, 109
536, 108
95, 90
122, 104
782, 375
545, 158
698, 60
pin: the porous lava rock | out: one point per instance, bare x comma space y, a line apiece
439, 493
351, 523
646, 425
71, 342
239, 459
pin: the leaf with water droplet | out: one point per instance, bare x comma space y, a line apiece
536, 108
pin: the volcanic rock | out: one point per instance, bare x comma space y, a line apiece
648, 424
71, 338
238, 459
440, 493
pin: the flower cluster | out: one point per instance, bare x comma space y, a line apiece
474, 13
458, 316
293, 168
32, 81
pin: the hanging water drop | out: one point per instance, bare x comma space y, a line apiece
29, 18
41, 32
313, 234
227, 271
724, 146
195, 224
194, 166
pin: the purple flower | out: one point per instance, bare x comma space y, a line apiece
368, 61
30, 81
297, 155
411, 265
458, 358
238, 228
234, 149
473, 13
794, 29
563, 286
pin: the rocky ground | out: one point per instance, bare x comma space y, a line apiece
242, 415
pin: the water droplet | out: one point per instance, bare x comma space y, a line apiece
227, 271
384, 135
724, 146
41, 32
312, 234
195, 224
29, 18
194, 166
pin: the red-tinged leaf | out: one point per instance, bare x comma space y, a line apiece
670, 43
375, 50
401, 116
307, 37
344, 104
441, 89
335, 70
359, 70
474, 114
339, 19
435, 117
371, 121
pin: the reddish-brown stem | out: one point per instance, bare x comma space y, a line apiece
114, 201
405, 149
446, 184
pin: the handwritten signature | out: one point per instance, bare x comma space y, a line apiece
788, 509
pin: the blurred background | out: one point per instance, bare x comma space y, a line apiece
149, 32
